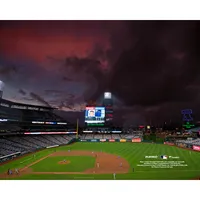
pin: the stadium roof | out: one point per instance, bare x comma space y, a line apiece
11, 104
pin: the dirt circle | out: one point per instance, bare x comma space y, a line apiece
64, 162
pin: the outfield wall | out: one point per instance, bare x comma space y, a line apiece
135, 140
138, 140
196, 148
183, 145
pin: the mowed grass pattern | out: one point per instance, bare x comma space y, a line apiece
133, 153
77, 164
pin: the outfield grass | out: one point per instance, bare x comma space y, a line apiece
134, 153
77, 164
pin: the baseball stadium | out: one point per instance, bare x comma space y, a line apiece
38, 144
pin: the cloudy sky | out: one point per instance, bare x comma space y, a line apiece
151, 67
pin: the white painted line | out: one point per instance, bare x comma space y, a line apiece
26, 160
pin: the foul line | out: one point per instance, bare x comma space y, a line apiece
33, 163
26, 160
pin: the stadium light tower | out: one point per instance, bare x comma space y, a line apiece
107, 95
1, 88
108, 104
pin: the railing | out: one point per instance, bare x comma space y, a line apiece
10, 155
52, 146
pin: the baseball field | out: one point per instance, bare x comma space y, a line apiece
99, 161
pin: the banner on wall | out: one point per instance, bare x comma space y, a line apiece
93, 140
47, 133
102, 140
111, 140
169, 143
136, 140
196, 148
123, 140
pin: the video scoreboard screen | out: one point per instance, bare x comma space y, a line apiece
95, 115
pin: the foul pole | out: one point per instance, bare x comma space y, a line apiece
77, 129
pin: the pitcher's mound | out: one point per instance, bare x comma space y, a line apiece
64, 162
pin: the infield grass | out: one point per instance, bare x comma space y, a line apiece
76, 164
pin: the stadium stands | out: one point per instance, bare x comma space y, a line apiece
190, 142
98, 136
89, 136
107, 136
116, 136
25, 144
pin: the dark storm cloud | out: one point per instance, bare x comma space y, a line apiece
99, 53
70, 96
39, 98
90, 70
149, 73
66, 104
151, 67
27, 99
54, 93
83, 64
54, 60
6, 71
67, 79
22, 92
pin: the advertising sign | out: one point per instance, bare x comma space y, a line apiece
47, 133
93, 140
123, 140
36, 122
136, 140
83, 140
169, 143
196, 148
3, 120
102, 140
111, 140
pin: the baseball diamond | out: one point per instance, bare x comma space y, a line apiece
149, 161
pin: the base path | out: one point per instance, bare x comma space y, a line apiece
104, 164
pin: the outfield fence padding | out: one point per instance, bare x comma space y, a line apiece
135, 140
